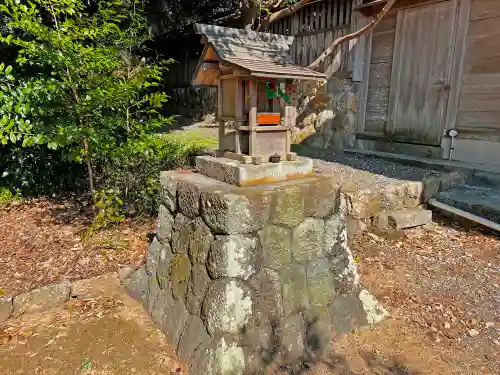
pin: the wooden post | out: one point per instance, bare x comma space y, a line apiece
222, 125
238, 113
290, 113
252, 117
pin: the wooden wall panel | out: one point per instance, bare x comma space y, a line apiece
481, 83
480, 120
379, 83
382, 47
481, 9
480, 102
483, 47
479, 108
482, 65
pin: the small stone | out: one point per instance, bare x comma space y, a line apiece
124, 273
319, 333
200, 239
168, 192
179, 272
289, 206
226, 360
6, 308
188, 198
137, 284
294, 289
197, 288
42, 299
322, 197
227, 213
269, 301
291, 335
320, 285
174, 318
347, 314
165, 224
447, 325
402, 219
163, 267
375, 312
153, 256
180, 236
233, 256
277, 244
490, 325
96, 287
308, 240
193, 336
473, 332
227, 307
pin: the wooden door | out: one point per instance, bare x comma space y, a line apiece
421, 73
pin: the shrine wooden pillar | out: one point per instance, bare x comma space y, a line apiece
252, 117
290, 112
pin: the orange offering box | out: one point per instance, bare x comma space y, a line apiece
268, 118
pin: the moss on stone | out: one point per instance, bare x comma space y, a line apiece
289, 206
179, 271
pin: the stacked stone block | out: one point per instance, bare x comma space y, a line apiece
241, 279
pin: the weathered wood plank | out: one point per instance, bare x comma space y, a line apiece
376, 118
380, 75
481, 65
422, 67
483, 47
481, 9
388, 23
484, 28
479, 102
483, 120
383, 47
481, 83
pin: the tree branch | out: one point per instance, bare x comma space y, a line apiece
316, 63
285, 12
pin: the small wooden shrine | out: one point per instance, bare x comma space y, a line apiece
257, 91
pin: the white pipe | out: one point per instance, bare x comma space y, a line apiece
467, 215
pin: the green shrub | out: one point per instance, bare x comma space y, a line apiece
134, 169
6, 196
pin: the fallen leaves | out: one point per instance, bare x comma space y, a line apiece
40, 244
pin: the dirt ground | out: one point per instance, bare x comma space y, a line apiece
42, 242
441, 284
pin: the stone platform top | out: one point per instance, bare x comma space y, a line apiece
240, 174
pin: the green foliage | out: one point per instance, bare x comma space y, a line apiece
6, 196
38, 170
88, 92
110, 205
134, 168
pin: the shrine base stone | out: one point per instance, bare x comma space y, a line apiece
244, 278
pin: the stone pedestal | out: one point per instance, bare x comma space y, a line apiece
244, 278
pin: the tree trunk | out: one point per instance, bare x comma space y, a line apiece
249, 13
89, 166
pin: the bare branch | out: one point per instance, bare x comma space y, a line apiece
286, 11
316, 63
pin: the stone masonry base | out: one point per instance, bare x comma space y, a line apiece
244, 279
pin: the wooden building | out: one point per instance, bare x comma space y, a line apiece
428, 68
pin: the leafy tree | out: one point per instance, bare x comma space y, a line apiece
87, 90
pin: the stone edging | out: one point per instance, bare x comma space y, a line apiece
50, 296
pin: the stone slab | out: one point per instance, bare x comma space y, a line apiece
478, 200
42, 299
402, 219
5, 308
240, 174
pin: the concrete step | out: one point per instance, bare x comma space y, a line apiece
478, 200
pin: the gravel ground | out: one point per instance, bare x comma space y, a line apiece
364, 171
444, 280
